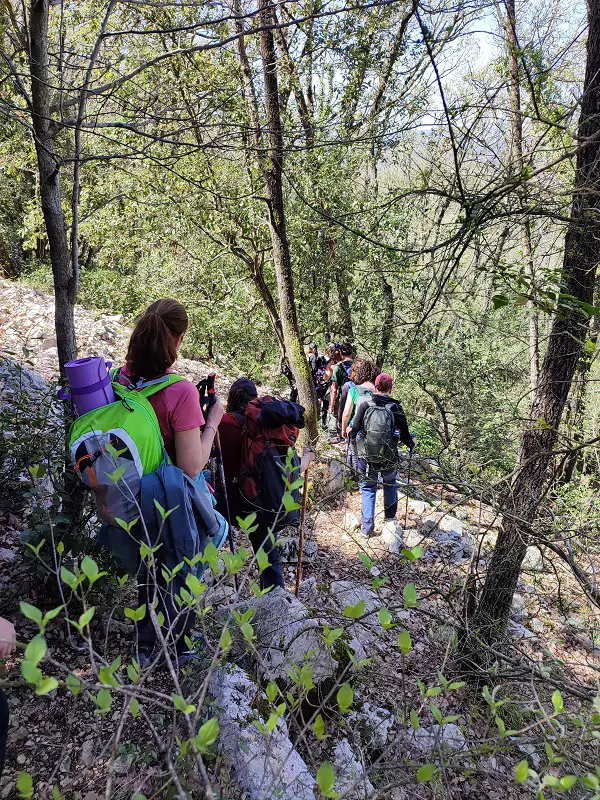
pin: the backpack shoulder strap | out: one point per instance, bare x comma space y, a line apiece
148, 388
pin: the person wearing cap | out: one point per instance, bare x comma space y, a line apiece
388, 472
231, 429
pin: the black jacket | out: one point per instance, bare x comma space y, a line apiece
399, 418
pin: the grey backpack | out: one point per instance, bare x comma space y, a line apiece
380, 446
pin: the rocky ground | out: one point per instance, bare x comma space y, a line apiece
374, 748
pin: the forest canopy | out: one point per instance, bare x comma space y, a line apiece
418, 179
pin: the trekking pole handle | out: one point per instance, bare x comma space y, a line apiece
206, 389
210, 388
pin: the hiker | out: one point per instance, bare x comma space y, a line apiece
248, 432
322, 378
188, 439
357, 390
379, 425
8, 641
312, 357
339, 376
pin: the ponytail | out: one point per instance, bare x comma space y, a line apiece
152, 349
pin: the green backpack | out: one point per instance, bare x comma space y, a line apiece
114, 446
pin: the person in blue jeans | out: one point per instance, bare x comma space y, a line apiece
379, 425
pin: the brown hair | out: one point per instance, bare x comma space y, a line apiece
362, 371
384, 385
152, 347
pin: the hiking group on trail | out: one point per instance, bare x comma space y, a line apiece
171, 470
361, 412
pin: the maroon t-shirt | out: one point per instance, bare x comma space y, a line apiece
177, 408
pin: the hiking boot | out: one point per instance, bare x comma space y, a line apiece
192, 654
146, 656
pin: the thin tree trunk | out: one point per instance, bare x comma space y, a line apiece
273, 178
344, 303
516, 168
50, 192
568, 332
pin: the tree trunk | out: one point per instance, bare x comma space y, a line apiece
50, 193
578, 405
568, 332
516, 168
272, 169
388, 320
344, 303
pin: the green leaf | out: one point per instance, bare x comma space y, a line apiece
36, 650
33, 613
522, 771
207, 734
345, 696
67, 577
330, 636
325, 777
557, 702
410, 595
86, 617
356, 611
133, 671
73, 684
50, 615
568, 782
181, 705
319, 727
414, 720
425, 773
590, 781
60, 548
262, 559
499, 300
385, 618
25, 784
136, 614
289, 503
134, 707
196, 587
246, 523
404, 642
31, 672
117, 474
47, 685
89, 568
225, 641
437, 714
272, 691
272, 721
366, 560
103, 701
107, 677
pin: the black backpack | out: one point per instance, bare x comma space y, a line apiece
380, 445
345, 376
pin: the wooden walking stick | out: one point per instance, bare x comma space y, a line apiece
301, 539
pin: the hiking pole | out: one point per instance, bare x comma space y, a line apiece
410, 453
301, 538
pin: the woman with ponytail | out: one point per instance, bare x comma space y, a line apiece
188, 440
152, 351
